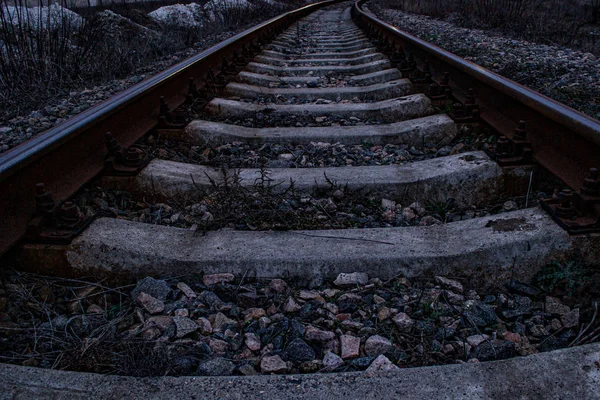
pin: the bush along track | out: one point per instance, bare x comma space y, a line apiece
98, 54
316, 212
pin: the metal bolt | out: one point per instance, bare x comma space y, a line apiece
470, 97
446, 79
111, 144
591, 184
503, 147
69, 211
133, 155
44, 203
427, 68
566, 209
521, 131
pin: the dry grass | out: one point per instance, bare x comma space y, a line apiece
44, 56
570, 23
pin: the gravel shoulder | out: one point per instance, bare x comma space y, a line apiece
221, 324
569, 76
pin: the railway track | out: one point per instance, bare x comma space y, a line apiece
310, 111
321, 142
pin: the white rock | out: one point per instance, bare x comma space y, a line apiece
381, 364
309, 294
388, 205
417, 207
273, 365
286, 157
352, 279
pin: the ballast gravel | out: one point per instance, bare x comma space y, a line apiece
569, 76
242, 326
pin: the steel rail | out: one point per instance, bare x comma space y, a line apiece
565, 141
68, 156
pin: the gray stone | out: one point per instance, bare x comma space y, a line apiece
218, 346
204, 326
214, 279
150, 304
154, 287
481, 315
476, 340
403, 322
252, 341
318, 335
247, 370
299, 350
211, 299
332, 361
494, 350
217, 366
186, 290
570, 319
184, 326
376, 345
449, 284
350, 346
555, 307
291, 306
278, 285
222, 322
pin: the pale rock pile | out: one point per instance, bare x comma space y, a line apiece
36, 18
188, 15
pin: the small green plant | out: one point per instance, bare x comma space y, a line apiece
441, 208
564, 276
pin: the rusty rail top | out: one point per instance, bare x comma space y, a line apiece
564, 141
68, 156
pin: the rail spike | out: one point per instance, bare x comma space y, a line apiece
578, 212
123, 161
55, 223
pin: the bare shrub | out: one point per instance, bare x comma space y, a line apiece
46, 52
42, 48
